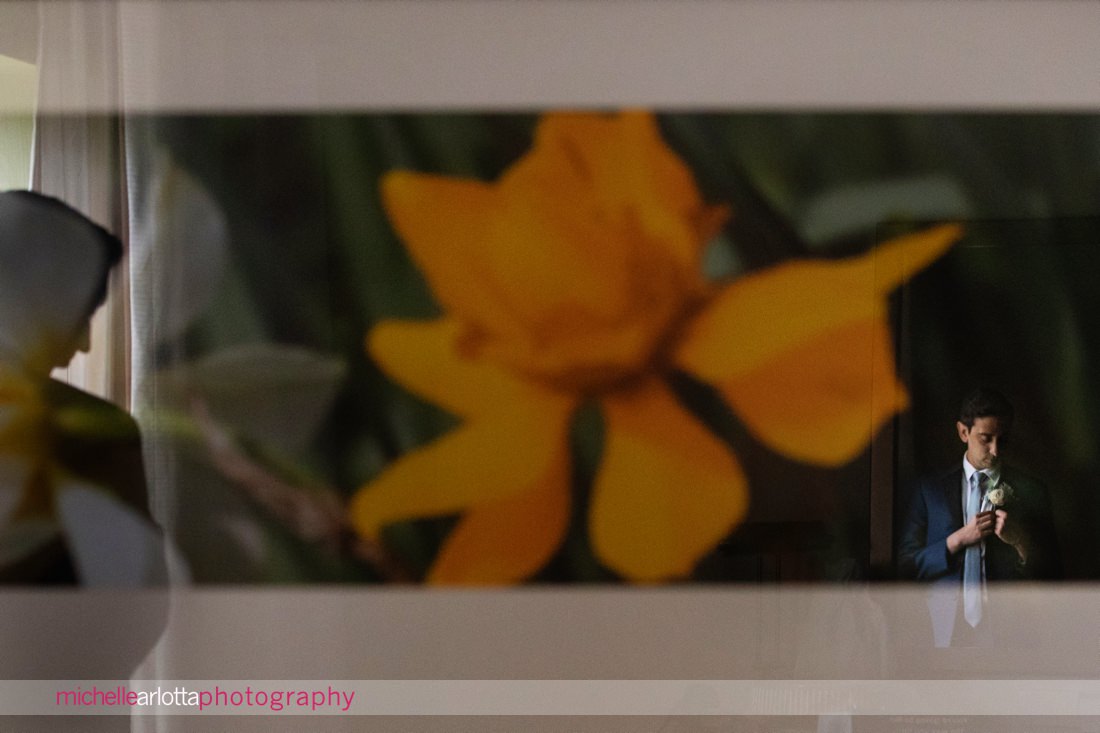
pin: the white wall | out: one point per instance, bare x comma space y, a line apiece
17, 91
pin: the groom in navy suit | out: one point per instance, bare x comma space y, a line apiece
980, 522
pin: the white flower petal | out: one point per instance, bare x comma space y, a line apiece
110, 543
186, 234
53, 261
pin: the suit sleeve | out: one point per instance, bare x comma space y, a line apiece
922, 552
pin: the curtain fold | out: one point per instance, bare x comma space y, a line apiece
79, 157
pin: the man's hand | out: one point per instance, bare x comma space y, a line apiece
1009, 533
980, 526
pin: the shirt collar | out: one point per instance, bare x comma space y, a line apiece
994, 474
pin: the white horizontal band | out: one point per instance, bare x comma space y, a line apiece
553, 697
191, 55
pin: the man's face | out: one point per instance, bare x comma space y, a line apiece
984, 441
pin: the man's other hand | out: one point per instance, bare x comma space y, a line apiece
1010, 533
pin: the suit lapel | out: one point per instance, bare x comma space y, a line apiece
952, 494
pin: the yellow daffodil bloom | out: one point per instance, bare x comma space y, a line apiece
575, 278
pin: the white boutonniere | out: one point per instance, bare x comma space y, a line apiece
999, 494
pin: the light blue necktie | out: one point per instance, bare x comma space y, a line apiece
972, 560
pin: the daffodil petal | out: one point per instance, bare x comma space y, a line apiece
667, 490
462, 231
622, 163
509, 540
823, 401
428, 359
901, 258
486, 460
766, 314
802, 353
452, 228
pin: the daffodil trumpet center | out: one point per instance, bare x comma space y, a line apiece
585, 361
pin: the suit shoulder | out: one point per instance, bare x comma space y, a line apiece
1026, 485
942, 477
931, 488
1015, 477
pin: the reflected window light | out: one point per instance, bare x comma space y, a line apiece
19, 80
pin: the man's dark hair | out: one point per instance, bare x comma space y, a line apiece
985, 402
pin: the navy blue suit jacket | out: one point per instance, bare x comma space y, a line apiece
936, 511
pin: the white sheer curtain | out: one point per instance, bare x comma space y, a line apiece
79, 158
